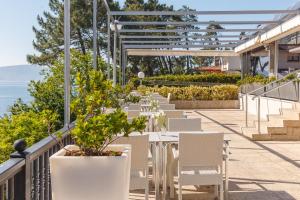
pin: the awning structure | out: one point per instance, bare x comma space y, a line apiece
177, 38
286, 28
162, 52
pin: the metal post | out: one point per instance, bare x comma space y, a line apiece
123, 66
67, 94
115, 59
258, 114
95, 35
246, 109
120, 61
108, 46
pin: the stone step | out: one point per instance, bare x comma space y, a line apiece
291, 123
290, 113
261, 137
277, 137
277, 130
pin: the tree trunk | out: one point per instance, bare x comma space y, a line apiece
81, 41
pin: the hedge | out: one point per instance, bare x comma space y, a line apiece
220, 92
205, 79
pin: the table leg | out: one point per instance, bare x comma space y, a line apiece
165, 158
157, 179
226, 172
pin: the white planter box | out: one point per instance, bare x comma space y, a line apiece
91, 178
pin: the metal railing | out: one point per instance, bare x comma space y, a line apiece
26, 175
265, 91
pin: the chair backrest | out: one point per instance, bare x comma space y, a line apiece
184, 124
167, 106
134, 107
162, 100
200, 149
139, 150
133, 113
173, 114
169, 97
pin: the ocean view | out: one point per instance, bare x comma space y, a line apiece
14, 84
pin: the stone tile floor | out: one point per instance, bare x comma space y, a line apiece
257, 170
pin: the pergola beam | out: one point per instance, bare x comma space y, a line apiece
185, 30
178, 37
181, 13
140, 23
176, 42
177, 46
159, 52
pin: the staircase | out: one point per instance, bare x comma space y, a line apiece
281, 127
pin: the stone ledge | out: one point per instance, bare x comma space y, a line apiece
213, 104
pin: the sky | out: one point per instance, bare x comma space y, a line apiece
18, 16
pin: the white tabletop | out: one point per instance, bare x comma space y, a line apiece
169, 136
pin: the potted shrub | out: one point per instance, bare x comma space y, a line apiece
93, 168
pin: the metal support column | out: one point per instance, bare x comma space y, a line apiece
95, 35
108, 46
67, 82
120, 61
276, 59
115, 60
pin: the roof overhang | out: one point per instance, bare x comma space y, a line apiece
160, 52
287, 28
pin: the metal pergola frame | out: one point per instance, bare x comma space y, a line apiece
169, 40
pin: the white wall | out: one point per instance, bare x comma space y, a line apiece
231, 63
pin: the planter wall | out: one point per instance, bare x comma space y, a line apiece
199, 104
91, 178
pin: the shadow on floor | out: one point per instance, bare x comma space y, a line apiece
249, 139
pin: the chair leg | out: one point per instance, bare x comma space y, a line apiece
171, 182
179, 190
221, 192
147, 185
216, 190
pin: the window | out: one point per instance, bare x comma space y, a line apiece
293, 58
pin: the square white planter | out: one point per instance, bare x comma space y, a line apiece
91, 178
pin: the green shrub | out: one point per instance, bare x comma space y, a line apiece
255, 79
221, 92
205, 79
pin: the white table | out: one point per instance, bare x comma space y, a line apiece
161, 140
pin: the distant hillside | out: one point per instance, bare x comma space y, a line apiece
20, 73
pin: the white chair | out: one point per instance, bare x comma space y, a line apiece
200, 159
173, 114
134, 107
184, 124
162, 100
139, 161
179, 125
133, 113
167, 106
169, 97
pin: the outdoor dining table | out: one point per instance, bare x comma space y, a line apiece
160, 140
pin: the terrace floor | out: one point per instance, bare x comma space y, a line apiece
257, 170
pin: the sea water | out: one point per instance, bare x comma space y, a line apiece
10, 92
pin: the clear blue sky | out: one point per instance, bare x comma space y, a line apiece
18, 16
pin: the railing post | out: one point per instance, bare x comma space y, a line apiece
258, 114
246, 109
22, 180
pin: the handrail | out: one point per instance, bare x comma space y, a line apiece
265, 92
271, 83
36, 182
258, 102
277, 87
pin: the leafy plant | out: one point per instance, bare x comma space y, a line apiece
94, 129
204, 79
221, 92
